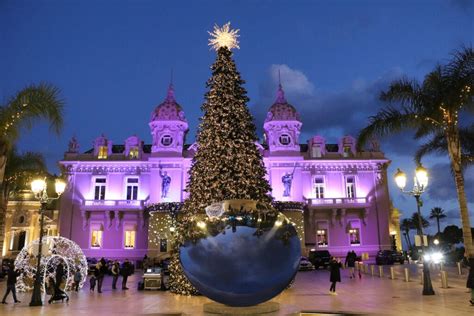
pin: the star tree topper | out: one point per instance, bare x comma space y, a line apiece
224, 37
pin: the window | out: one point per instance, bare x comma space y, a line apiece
163, 245
316, 151
12, 240
285, 139
322, 237
347, 151
129, 240
99, 189
96, 238
21, 219
133, 154
354, 236
102, 152
319, 187
350, 187
166, 140
132, 189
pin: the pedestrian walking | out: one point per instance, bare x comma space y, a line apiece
101, 271
57, 293
115, 274
77, 279
92, 282
335, 276
11, 283
126, 271
470, 278
350, 262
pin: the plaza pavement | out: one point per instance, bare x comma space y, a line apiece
370, 295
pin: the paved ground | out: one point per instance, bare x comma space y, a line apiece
369, 295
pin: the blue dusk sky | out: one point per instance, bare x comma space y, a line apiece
113, 59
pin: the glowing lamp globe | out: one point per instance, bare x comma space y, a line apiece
38, 185
400, 179
421, 175
60, 186
241, 261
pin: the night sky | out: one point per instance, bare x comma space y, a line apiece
113, 59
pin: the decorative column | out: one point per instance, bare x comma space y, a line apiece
342, 219
333, 217
85, 219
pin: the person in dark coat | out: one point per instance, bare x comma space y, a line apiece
350, 262
126, 271
115, 274
58, 293
100, 271
470, 279
11, 284
334, 268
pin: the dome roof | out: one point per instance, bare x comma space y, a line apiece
169, 110
281, 110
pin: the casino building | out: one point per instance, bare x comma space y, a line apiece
341, 194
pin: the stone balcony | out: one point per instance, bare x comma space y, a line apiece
113, 204
360, 202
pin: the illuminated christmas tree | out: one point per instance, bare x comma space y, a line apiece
227, 164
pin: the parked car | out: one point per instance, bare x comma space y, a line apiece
305, 265
319, 258
389, 257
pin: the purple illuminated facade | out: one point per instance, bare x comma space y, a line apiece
345, 192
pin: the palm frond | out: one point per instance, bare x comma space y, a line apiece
27, 106
387, 121
403, 91
437, 144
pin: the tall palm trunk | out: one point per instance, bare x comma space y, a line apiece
454, 149
437, 221
408, 238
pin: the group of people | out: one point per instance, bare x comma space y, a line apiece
101, 270
55, 285
335, 266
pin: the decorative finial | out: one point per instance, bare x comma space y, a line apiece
224, 37
279, 78
170, 94
280, 93
171, 77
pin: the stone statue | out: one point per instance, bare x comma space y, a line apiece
73, 146
287, 179
165, 183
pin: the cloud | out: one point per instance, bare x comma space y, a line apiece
442, 186
331, 114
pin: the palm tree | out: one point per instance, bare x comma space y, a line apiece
416, 222
432, 109
20, 170
437, 213
406, 225
26, 107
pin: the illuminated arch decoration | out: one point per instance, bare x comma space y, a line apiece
55, 250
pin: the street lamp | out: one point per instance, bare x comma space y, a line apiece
420, 182
39, 188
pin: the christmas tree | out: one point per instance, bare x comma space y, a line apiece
227, 164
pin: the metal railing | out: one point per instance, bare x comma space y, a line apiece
336, 201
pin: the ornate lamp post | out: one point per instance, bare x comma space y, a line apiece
420, 183
39, 188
